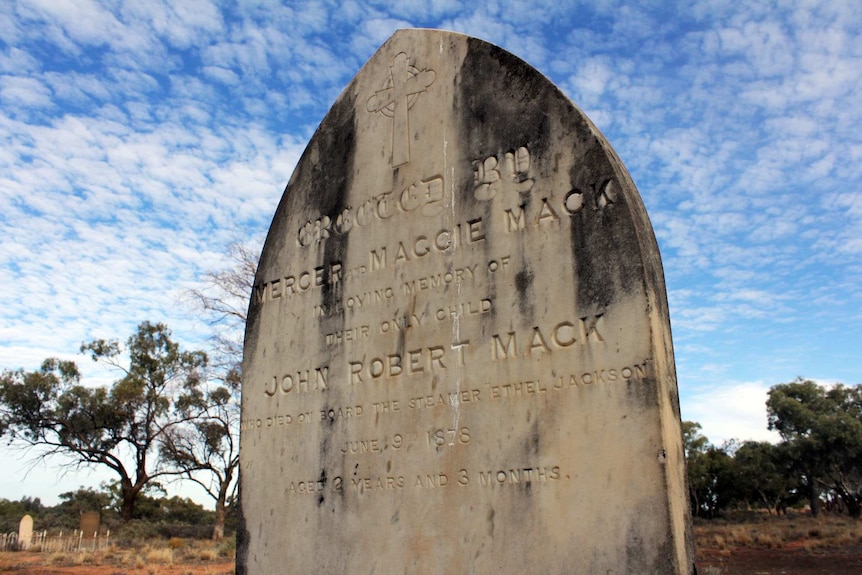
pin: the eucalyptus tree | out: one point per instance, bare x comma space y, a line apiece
822, 428
207, 448
117, 427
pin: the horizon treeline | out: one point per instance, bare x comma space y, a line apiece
817, 463
156, 514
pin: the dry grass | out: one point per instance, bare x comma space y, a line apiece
176, 542
208, 554
160, 556
757, 530
87, 558
149, 557
58, 558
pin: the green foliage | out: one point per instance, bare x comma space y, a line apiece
11, 512
118, 427
67, 514
710, 473
156, 516
822, 428
172, 510
819, 458
135, 531
764, 476
227, 548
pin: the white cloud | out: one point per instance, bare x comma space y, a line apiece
83, 21
20, 92
731, 411
15, 61
223, 75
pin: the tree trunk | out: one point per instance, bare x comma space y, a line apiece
813, 496
851, 502
129, 497
220, 510
854, 507
218, 528
695, 504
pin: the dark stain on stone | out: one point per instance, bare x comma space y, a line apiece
641, 392
322, 480
535, 439
242, 535
524, 286
503, 102
636, 556
606, 250
401, 342
332, 186
330, 420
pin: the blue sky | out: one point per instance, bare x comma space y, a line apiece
139, 139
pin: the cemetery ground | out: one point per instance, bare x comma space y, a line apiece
749, 543
175, 556
741, 544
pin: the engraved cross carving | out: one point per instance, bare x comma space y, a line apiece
397, 96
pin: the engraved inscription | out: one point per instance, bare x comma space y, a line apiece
346, 335
440, 280
424, 196
393, 365
302, 282
562, 335
498, 177
397, 96
303, 381
353, 302
441, 438
600, 376
521, 476
496, 477
515, 167
426, 361
445, 240
600, 196
444, 399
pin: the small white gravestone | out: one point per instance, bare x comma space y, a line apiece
25, 532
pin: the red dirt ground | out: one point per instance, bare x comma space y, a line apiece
785, 561
34, 564
741, 561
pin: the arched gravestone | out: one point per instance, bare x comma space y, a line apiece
25, 532
90, 523
458, 354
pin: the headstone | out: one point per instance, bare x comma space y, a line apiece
458, 354
90, 523
25, 532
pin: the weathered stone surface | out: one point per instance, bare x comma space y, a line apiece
90, 523
25, 532
458, 354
